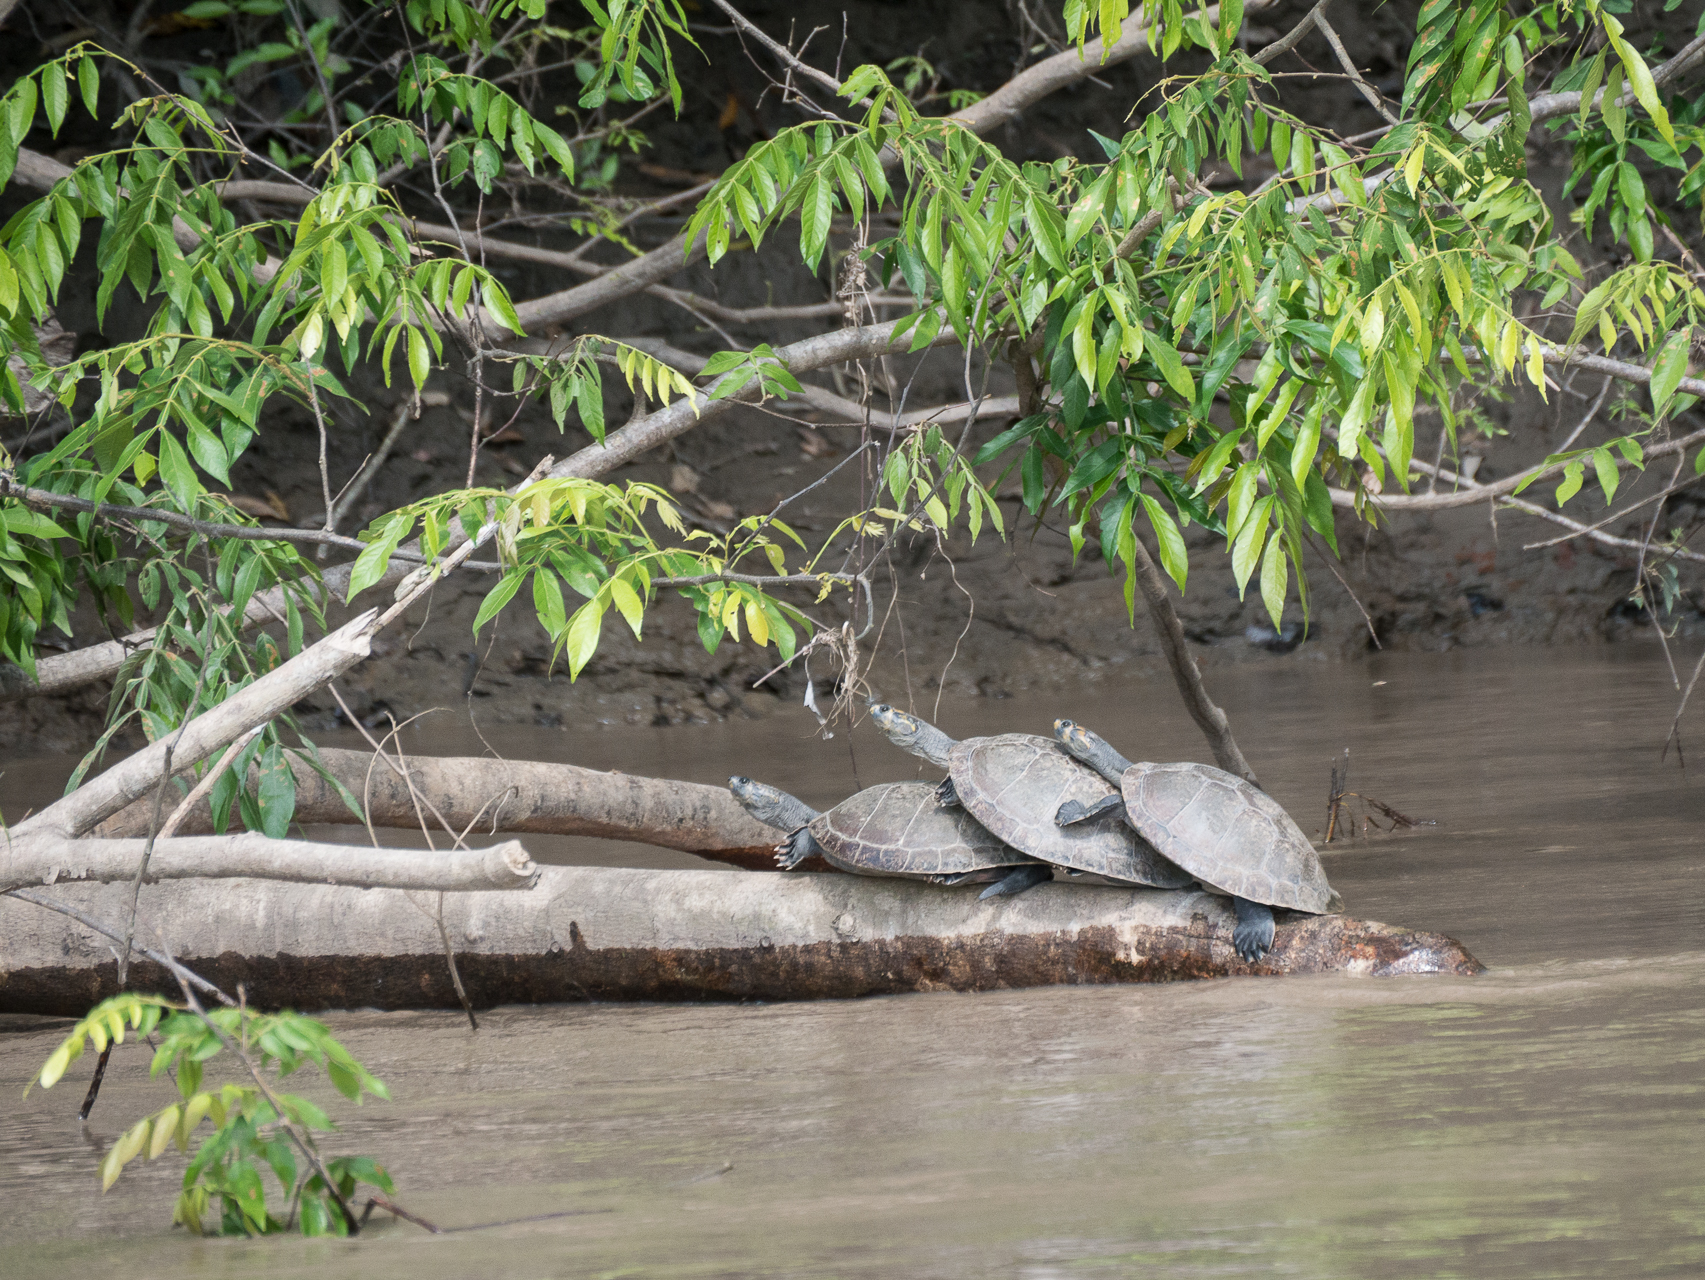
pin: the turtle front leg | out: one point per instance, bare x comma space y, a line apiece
1253, 937
1073, 812
947, 795
795, 849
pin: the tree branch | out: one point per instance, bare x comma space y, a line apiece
1208, 717
47, 858
42, 500
106, 794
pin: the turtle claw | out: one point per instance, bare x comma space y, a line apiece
795, 849
1253, 936
947, 795
1017, 881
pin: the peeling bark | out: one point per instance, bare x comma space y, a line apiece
597, 933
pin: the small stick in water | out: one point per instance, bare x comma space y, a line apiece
95, 1084
397, 1211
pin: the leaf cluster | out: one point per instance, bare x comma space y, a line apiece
254, 1129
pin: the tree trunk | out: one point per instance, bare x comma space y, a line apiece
517, 796
600, 933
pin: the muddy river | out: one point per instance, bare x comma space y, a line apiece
1544, 1119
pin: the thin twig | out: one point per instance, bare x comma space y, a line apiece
1291, 38
113, 512
178, 971
159, 801
207, 782
1363, 87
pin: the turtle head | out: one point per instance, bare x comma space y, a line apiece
907, 731
1092, 749
770, 805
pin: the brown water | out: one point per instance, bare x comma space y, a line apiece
1544, 1119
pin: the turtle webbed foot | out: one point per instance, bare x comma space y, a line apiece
1074, 811
795, 849
1071, 811
1253, 936
1017, 881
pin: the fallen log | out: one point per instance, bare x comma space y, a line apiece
516, 797
599, 933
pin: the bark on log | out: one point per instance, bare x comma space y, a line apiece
599, 933
45, 860
517, 796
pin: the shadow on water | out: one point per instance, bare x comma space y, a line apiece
1541, 1120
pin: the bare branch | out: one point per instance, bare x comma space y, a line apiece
52, 859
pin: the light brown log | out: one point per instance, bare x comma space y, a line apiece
47, 860
107, 793
600, 933
517, 796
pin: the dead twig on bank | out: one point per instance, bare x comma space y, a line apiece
1337, 794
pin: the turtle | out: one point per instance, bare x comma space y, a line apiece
1013, 783
893, 829
1233, 837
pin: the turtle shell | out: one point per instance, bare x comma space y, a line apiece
900, 829
1014, 783
1230, 835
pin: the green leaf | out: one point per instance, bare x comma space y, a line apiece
419, 357
21, 520
584, 630
1174, 558
1608, 476
548, 601
176, 472
1246, 551
1275, 578
1668, 370
627, 600
815, 215
1171, 366
53, 96
371, 564
499, 596
209, 453
89, 82
277, 793
1084, 212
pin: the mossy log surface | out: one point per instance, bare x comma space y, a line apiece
598, 933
